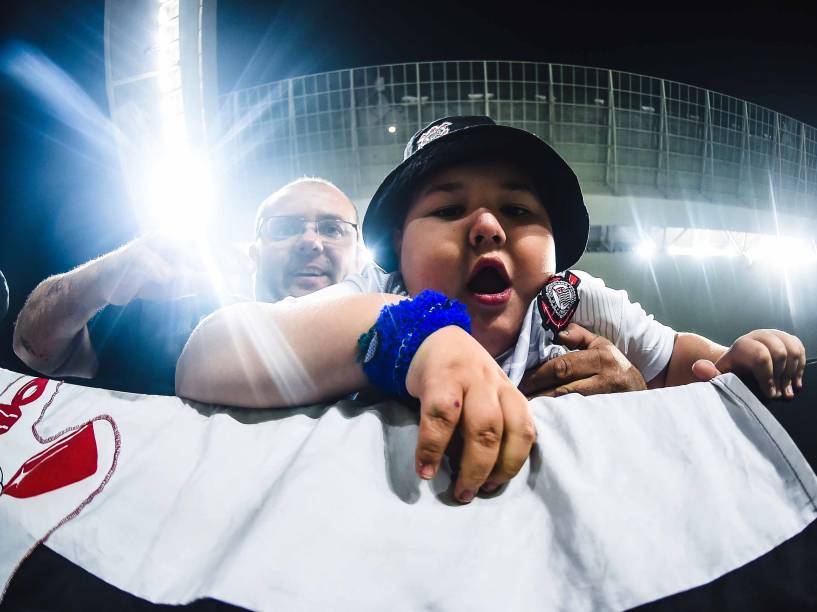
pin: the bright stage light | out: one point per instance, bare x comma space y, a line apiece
181, 195
180, 189
367, 256
782, 252
392, 129
646, 249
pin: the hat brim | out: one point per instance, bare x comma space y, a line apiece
556, 182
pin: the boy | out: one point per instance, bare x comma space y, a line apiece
484, 215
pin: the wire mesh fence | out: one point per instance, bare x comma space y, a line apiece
623, 133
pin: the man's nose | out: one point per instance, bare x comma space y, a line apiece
486, 230
309, 240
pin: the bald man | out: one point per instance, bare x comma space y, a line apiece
306, 239
122, 319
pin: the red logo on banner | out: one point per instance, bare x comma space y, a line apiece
10, 413
70, 459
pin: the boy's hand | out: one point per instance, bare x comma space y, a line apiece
775, 359
459, 384
597, 367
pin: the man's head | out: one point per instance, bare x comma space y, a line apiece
305, 239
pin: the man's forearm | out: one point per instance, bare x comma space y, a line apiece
264, 355
52, 322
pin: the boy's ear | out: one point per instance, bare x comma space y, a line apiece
397, 241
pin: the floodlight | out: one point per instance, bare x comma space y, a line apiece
646, 249
180, 195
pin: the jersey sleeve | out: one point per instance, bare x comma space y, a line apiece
609, 312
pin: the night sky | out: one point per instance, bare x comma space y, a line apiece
61, 194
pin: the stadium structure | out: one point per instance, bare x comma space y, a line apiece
702, 205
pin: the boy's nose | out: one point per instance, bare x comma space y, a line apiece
486, 229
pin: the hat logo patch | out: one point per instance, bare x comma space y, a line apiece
433, 133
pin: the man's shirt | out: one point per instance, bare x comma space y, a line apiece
137, 345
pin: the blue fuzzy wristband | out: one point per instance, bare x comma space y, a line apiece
386, 350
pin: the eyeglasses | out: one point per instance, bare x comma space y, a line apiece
283, 227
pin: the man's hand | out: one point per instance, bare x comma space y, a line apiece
51, 334
775, 359
460, 385
598, 367
152, 267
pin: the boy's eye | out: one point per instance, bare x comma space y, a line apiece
512, 210
448, 212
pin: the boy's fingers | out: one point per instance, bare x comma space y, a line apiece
704, 370
440, 411
795, 363
801, 365
517, 441
482, 429
747, 355
777, 352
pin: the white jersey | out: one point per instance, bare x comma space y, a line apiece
607, 312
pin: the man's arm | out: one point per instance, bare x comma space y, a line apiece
51, 335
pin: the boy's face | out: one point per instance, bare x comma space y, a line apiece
480, 234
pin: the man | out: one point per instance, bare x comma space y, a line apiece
327, 248
123, 318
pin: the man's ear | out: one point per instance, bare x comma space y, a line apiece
253, 253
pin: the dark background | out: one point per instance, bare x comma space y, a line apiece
62, 200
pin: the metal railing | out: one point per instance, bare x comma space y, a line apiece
623, 133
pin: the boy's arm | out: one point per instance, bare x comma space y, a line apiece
688, 349
286, 354
775, 359
262, 355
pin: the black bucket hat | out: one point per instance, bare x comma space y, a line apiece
455, 140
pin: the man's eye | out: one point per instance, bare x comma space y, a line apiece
512, 210
448, 212
331, 230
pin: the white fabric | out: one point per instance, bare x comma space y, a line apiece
607, 312
626, 498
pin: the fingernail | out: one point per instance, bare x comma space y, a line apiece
426, 471
773, 391
564, 333
466, 496
789, 391
490, 487
799, 382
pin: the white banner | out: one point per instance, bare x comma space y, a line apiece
627, 498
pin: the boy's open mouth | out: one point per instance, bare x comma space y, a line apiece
489, 282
